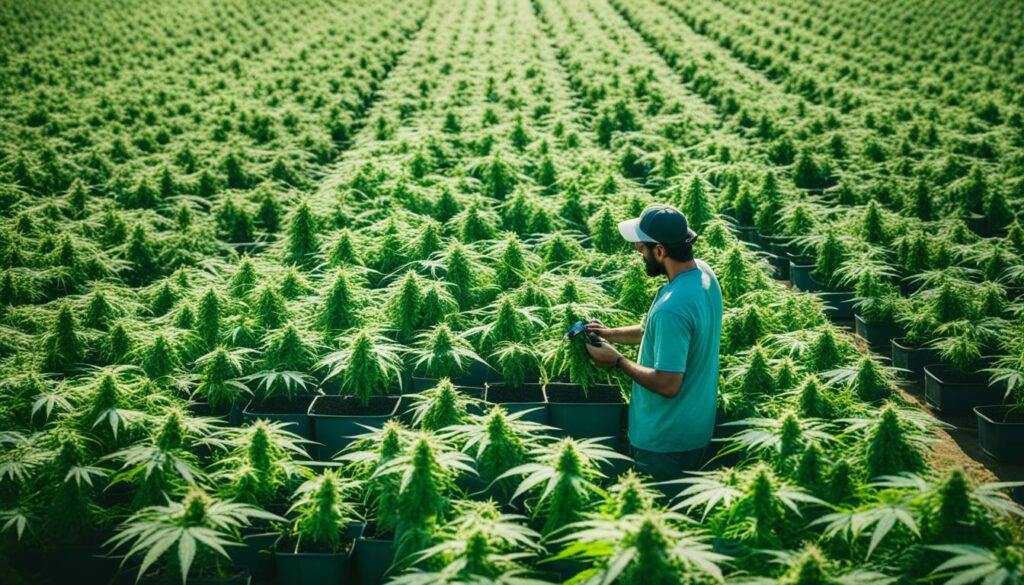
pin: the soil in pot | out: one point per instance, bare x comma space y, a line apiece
1001, 432
950, 391
598, 413
337, 419
530, 397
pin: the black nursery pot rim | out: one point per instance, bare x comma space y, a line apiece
985, 410
391, 413
538, 396
285, 539
253, 406
585, 398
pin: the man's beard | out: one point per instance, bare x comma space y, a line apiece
654, 268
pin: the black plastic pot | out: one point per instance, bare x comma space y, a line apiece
334, 432
1001, 432
373, 558
800, 276
911, 359
231, 415
293, 412
86, 564
239, 576
307, 568
748, 233
838, 304
952, 392
600, 413
777, 245
780, 266
256, 554
877, 334
529, 400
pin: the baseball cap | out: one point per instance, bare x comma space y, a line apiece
661, 224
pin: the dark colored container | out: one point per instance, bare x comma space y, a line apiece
779, 265
239, 576
373, 558
1001, 432
748, 233
256, 554
293, 412
310, 568
85, 564
529, 400
877, 334
232, 415
912, 359
334, 432
800, 276
600, 413
838, 304
952, 392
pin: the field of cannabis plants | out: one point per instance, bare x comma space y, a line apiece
283, 288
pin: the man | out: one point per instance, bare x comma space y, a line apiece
675, 382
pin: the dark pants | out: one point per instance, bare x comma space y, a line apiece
668, 466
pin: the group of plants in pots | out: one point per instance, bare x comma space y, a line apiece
369, 251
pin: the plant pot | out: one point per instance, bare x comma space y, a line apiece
256, 554
76, 563
779, 266
908, 287
423, 384
231, 415
293, 412
952, 392
600, 413
777, 245
748, 233
528, 400
800, 276
877, 334
838, 304
338, 419
237, 576
1001, 432
912, 360
312, 568
373, 558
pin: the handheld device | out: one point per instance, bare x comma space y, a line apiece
578, 328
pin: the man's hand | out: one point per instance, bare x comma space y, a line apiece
628, 335
604, 355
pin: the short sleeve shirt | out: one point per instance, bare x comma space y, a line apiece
681, 333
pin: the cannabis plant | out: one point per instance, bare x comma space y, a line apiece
441, 406
260, 462
497, 441
563, 479
646, 547
479, 541
367, 366
427, 472
751, 505
192, 531
162, 464
322, 509
441, 353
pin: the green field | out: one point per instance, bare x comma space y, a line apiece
236, 234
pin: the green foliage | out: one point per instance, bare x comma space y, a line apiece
191, 532
322, 509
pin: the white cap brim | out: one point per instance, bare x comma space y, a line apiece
630, 230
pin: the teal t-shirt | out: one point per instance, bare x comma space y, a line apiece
681, 333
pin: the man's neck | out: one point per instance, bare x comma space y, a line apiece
674, 269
